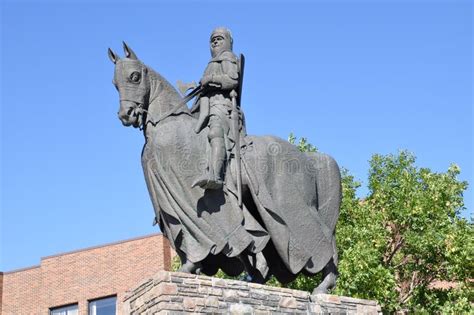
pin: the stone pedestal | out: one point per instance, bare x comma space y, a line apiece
179, 293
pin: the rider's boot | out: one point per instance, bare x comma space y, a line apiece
215, 179
218, 160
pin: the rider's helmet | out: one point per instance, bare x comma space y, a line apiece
218, 45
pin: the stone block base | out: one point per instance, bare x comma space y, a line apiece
180, 293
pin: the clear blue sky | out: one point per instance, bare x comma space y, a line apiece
354, 77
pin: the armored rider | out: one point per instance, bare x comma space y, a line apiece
220, 78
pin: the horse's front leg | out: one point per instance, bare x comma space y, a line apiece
255, 267
188, 266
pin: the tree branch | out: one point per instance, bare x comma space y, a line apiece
395, 249
395, 244
408, 295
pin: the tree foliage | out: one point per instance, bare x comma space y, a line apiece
303, 144
403, 238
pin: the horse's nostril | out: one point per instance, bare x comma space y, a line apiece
122, 115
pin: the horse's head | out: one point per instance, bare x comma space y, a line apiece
132, 82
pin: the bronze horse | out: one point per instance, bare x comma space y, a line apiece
291, 200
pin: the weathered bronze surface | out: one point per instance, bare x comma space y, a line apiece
223, 198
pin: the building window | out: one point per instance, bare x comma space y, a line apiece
105, 306
64, 310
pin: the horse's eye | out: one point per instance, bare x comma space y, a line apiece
135, 77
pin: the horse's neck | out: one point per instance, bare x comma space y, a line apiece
163, 99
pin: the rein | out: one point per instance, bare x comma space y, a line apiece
171, 111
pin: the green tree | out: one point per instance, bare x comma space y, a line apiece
405, 236
303, 144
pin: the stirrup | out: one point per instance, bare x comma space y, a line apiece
206, 183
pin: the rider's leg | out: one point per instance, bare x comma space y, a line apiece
216, 164
215, 178
218, 158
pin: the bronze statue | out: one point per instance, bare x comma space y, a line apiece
274, 216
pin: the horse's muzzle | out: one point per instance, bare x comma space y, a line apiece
128, 114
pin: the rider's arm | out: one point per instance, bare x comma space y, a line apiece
229, 79
228, 76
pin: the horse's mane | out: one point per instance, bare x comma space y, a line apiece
164, 98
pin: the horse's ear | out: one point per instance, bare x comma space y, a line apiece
113, 57
129, 52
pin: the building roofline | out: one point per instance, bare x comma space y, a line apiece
83, 250
20, 269
100, 246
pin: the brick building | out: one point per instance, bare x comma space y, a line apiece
88, 281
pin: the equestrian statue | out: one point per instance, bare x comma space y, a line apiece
227, 200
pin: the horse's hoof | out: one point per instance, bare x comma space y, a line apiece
328, 283
189, 267
319, 290
184, 269
245, 277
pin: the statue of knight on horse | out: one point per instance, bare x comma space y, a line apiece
227, 200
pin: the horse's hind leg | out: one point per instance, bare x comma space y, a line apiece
329, 278
330, 274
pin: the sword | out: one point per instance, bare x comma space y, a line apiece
236, 132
